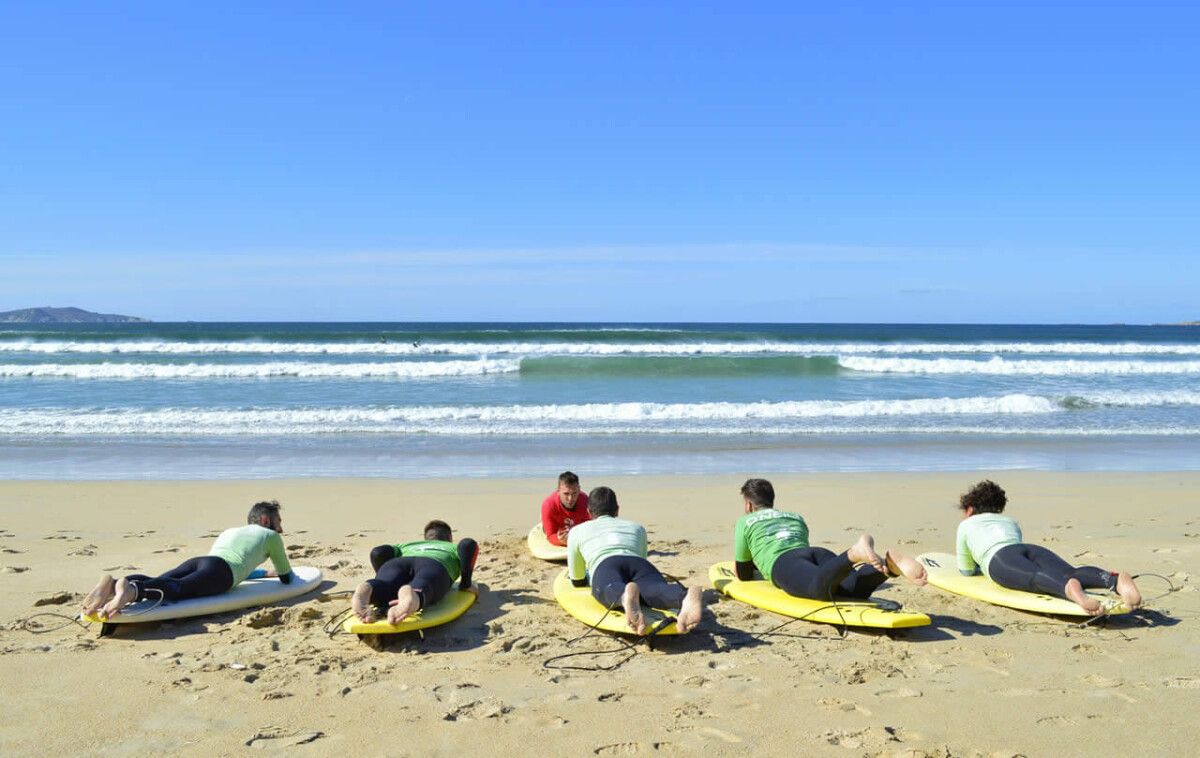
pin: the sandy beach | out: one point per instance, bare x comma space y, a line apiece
980, 680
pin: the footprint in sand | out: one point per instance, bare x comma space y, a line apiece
273, 736
902, 692
86, 550
1183, 683
11, 551
1056, 721
847, 706
14, 569
1102, 681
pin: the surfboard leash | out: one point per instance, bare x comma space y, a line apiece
625, 646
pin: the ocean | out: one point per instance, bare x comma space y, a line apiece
250, 400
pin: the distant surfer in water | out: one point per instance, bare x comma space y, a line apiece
776, 543
612, 551
414, 575
991, 544
233, 558
563, 509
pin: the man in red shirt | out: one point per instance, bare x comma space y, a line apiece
564, 508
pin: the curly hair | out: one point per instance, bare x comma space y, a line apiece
985, 497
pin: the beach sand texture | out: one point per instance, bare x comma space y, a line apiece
980, 680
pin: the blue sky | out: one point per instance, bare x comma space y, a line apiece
477, 161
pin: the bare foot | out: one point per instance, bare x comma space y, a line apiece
1074, 591
1128, 591
689, 614
360, 603
100, 594
898, 563
405, 604
631, 602
863, 551
123, 595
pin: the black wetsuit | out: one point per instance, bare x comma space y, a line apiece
613, 573
819, 574
195, 577
427, 576
1033, 568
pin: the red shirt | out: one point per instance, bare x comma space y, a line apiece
555, 517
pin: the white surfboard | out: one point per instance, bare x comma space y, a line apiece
250, 593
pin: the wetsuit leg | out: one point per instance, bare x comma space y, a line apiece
1095, 578
428, 578
611, 576
861, 582
431, 581
811, 572
1030, 568
195, 577
389, 578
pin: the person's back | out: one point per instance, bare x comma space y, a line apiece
979, 537
764, 535
603, 537
611, 552
245, 547
442, 551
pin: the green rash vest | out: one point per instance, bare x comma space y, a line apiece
244, 547
441, 551
603, 537
766, 534
980, 536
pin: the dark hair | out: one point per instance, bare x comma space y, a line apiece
759, 492
568, 478
438, 530
602, 501
985, 497
269, 508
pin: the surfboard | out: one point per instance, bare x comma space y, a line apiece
248, 594
578, 602
542, 547
453, 605
847, 612
942, 570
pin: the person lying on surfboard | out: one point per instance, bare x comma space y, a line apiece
990, 543
233, 558
612, 551
776, 543
564, 508
414, 575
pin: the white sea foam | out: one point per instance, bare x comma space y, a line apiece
51, 347
1001, 366
803, 417
394, 370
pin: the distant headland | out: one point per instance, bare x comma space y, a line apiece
65, 316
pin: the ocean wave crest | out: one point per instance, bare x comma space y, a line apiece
128, 371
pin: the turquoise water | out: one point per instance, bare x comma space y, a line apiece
411, 400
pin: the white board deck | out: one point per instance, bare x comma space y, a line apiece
250, 593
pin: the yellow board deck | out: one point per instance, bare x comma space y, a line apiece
542, 547
847, 612
446, 610
578, 602
942, 570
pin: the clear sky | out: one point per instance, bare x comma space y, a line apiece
601, 161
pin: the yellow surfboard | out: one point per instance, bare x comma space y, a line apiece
542, 547
453, 605
578, 602
942, 570
846, 612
